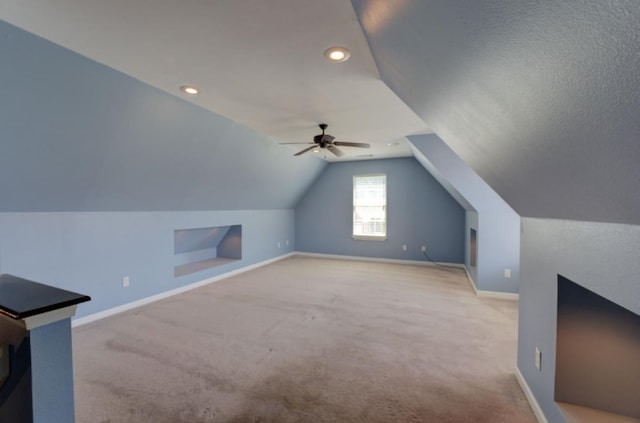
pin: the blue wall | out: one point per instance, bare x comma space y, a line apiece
98, 169
601, 257
497, 225
554, 139
52, 372
90, 252
420, 212
79, 136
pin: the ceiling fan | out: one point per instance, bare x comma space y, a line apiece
327, 141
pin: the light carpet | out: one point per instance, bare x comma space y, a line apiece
307, 340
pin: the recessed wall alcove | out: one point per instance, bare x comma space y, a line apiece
473, 247
597, 357
199, 249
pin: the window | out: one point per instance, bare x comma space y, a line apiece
370, 207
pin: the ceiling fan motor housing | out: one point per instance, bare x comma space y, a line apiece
323, 140
326, 141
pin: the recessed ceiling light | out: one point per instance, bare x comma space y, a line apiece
337, 54
393, 144
316, 150
189, 89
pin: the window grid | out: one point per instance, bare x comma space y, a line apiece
369, 207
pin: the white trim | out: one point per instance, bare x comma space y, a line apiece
511, 296
376, 259
41, 319
471, 282
369, 237
537, 410
157, 297
478, 292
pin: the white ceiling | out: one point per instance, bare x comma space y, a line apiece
259, 62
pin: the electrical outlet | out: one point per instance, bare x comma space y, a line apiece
423, 249
538, 359
404, 247
286, 243
125, 281
507, 273
278, 244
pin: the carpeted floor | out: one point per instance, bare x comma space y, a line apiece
307, 340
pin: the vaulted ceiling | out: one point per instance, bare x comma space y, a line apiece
259, 63
541, 98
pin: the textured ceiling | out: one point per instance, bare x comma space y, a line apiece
541, 98
259, 63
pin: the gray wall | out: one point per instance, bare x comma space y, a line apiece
538, 97
601, 257
497, 225
420, 212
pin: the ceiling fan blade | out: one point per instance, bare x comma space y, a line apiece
334, 150
305, 150
352, 144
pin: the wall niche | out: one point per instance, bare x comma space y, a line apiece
597, 357
473, 247
199, 249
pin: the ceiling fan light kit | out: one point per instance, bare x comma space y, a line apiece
326, 141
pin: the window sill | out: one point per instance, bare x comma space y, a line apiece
369, 237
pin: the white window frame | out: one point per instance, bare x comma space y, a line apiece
360, 234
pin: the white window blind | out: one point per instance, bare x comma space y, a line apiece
370, 207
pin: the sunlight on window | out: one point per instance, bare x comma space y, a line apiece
370, 207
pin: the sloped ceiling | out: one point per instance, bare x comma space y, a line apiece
541, 98
258, 63
78, 136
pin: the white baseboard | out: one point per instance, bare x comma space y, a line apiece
157, 297
511, 296
480, 293
532, 400
377, 259
471, 282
